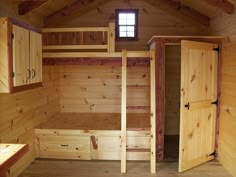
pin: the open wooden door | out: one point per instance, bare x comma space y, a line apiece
198, 103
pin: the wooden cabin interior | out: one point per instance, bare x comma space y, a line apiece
106, 87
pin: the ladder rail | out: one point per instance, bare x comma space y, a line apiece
123, 111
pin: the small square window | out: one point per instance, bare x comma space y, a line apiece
126, 24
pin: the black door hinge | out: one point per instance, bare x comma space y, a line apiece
13, 74
216, 49
12, 35
212, 154
215, 102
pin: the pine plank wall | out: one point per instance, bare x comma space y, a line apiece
20, 113
225, 25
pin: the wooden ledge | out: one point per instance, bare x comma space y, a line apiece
10, 154
103, 55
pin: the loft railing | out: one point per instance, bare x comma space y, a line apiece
83, 38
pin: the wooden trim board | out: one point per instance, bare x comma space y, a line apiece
130, 54
153, 110
10, 154
123, 110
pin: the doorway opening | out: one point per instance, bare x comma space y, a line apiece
172, 104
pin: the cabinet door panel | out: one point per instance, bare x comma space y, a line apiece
21, 56
36, 57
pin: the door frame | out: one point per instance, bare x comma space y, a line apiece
160, 43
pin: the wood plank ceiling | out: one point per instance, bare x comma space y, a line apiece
57, 10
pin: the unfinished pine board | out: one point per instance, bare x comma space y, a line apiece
35, 57
20, 55
4, 64
104, 121
99, 55
225, 26
78, 144
153, 110
172, 89
123, 110
111, 37
64, 147
44, 168
65, 128
10, 154
199, 68
97, 88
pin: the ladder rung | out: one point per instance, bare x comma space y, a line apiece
138, 86
137, 150
138, 129
137, 107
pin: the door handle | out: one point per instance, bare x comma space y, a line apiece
34, 73
187, 106
29, 74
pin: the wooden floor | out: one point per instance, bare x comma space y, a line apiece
62, 168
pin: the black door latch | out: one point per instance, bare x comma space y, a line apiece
187, 106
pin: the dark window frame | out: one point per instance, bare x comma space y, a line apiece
135, 11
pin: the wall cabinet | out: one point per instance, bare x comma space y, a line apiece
21, 56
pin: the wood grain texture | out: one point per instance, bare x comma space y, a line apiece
224, 5
188, 11
160, 98
4, 64
123, 111
10, 154
21, 62
153, 108
98, 88
36, 57
225, 26
10, 9
20, 113
104, 121
108, 168
199, 68
65, 11
29, 5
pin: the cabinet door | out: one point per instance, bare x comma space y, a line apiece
21, 56
36, 57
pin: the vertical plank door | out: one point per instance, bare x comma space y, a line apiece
35, 57
198, 112
20, 46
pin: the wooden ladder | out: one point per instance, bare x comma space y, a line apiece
124, 149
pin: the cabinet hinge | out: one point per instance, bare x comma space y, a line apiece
12, 35
217, 49
215, 102
212, 154
13, 74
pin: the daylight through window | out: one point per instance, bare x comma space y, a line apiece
126, 24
